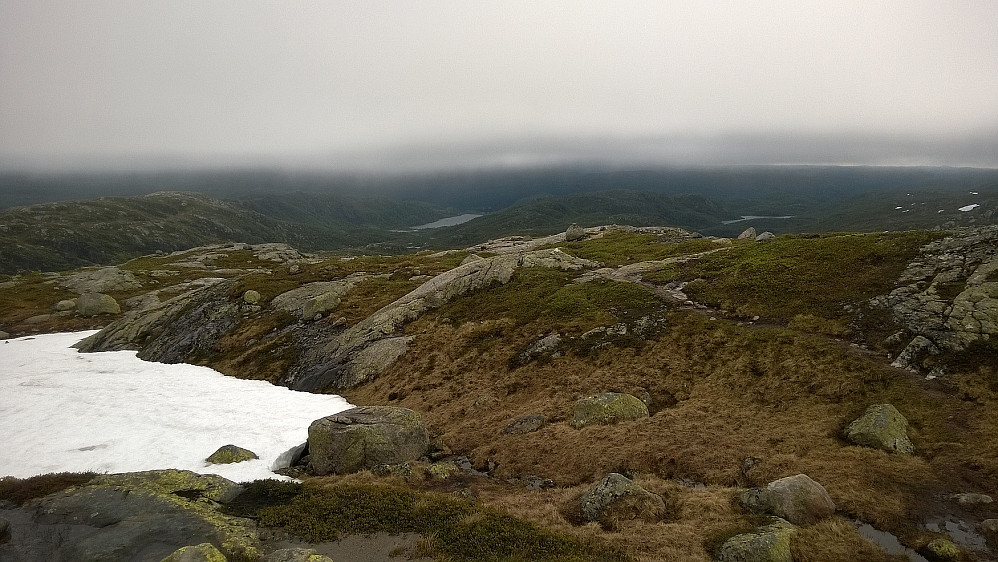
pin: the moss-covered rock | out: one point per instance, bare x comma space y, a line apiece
797, 499
228, 454
92, 304
204, 552
296, 555
363, 438
769, 543
251, 297
617, 497
607, 408
882, 427
320, 304
942, 549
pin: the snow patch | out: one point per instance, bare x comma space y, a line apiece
968, 207
61, 410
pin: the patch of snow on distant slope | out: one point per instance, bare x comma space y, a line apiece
61, 410
968, 207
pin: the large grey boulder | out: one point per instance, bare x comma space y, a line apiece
747, 234
769, 543
363, 438
92, 304
617, 497
607, 408
103, 280
765, 237
574, 232
798, 499
882, 427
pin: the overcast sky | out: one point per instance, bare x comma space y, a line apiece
424, 83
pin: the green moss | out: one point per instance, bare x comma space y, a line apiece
791, 275
608, 408
616, 248
454, 527
204, 552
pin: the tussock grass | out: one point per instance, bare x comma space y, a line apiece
456, 528
835, 539
20, 490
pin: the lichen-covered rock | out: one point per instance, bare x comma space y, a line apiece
251, 297
132, 516
617, 497
204, 552
363, 438
320, 304
607, 408
882, 427
972, 498
103, 280
914, 352
92, 304
797, 499
296, 300
747, 234
942, 549
525, 424
574, 232
65, 304
765, 237
228, 454
374, 359
769, 543
296, 555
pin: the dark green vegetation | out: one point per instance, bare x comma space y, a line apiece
362, 214
456, 528
20, 490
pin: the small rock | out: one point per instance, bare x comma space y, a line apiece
66, 304
989, 528
574, 232
92, 304
769, 543
881, 427
204, 552
747, 234
251, 297
525, 424
296, 555
617, 497
294, 269
797, 499
972, 499
228, 454
942, 549
765, 237
607, 408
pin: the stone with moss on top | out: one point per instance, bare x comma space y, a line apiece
617, 497
607, 408
251, 297
296, 555
204, 552
363, 438
881, 427
228, 454
769, 543
942, 549
797, 499
92, 304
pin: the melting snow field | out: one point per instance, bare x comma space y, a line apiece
61, 410
968, 208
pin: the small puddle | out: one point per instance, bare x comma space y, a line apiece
887, 541
959, 531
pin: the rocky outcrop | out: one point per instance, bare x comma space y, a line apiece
315, 298
881, 427
133, 516
607, 408
228, 454
797, 499
103, 280
949, 293
337, 371
93, 304
616, 498
181, 329
769, 543
363, 438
